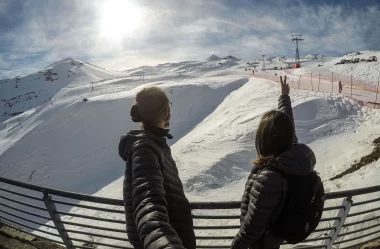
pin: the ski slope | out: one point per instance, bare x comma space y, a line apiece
71, 144
24, 93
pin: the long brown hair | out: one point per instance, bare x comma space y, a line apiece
151, 107
274, 136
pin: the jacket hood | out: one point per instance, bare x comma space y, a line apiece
299, 160
128, 139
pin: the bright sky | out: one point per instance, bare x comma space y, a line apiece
121, 34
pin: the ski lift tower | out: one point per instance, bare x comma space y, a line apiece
297, 63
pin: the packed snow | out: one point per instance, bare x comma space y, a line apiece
366, 71
67, 136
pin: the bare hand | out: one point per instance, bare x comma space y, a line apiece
285, 89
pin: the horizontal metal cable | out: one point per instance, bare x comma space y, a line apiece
360, 221
96, 235
323, 229
28, 220
363, 212
62, 193
91, 217
360, 243
312, 240
365, 202
25, 212
94, 227
83, 247
353, 192
32, 228
357, 230
317, 239
329, 219
25, 204
89, 207
221, 217
358, 237
333, 208
23, 195
215, 205
311, 247
216, 227
99, 243
215, 237
221, 246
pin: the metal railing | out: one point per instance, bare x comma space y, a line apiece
350, 219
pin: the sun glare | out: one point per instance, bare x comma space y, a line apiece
120, 18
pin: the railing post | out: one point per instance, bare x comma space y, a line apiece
338, 224
50, 206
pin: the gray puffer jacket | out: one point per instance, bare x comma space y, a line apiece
158, 214
265, 193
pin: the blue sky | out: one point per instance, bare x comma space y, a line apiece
121, 34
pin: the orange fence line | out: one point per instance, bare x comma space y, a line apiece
366, 86
297, 84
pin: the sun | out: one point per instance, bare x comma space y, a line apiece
120, 18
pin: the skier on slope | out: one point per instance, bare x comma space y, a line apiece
157, 211
340, 87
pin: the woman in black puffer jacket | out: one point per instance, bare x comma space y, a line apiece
158, 214
265, 191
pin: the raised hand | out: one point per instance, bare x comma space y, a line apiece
285, 89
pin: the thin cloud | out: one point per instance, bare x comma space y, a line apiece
172, 30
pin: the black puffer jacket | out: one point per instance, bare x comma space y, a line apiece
265, 193
157, 212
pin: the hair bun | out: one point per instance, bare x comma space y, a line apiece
135, 114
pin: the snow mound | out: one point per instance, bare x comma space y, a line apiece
367, 71
226, 137
310, 56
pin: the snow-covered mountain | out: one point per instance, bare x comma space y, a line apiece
213, 58
23, 93
71, 141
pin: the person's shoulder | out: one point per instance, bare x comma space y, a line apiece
144, 152
271, 176
144, 143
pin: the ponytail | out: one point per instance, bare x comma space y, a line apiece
263, 161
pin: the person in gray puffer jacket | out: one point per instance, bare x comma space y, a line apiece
265, 191
157, 211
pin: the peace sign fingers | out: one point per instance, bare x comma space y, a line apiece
283, 82
285, 89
